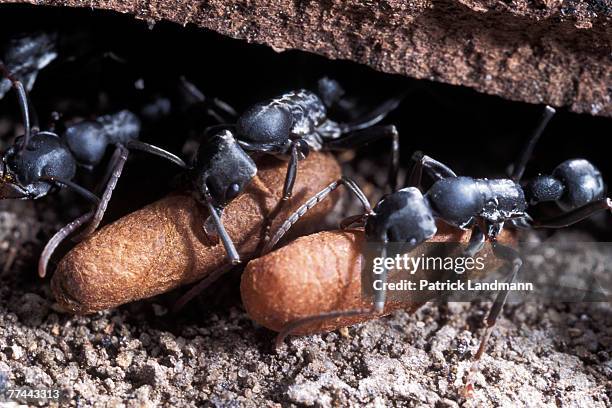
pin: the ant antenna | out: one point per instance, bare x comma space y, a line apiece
22, 98
527, 152
314, 200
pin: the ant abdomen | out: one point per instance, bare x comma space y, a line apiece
582, 181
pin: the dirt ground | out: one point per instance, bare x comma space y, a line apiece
213, 355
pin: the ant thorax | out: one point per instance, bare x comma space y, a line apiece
309, 116
503, 199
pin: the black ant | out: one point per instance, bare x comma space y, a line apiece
289, 127
409, 217
40, 162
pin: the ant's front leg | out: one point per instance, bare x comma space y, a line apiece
435, 169
68, 229
292, 168
215, 219
114, 171
476, 243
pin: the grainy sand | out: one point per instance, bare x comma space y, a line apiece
212, 354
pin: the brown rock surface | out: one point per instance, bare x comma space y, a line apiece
545, 51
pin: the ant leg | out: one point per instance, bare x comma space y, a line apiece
509, 254
225, 107
521, 163
435, 169
156, 151
22, 98
83, 192
416, 174
476, 243
380, 295
101, 186
330, 91
378, 308
353, 221
314, 200
196, 94
524, 222
57, 239
573, 216
196, 289
222, 233
290, 328
292, 168
373, 117
357, 138
121, 154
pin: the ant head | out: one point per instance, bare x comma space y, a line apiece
265, 123
21, 171
404, 216
582, 183
222, 168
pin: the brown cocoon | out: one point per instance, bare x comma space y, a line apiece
163, 246
321, 273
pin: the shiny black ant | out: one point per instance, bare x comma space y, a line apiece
33, 169
288, 127
409, 217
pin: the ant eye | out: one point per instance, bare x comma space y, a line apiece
232, 191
